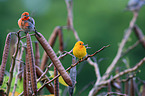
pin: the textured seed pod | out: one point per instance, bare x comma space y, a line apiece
54, 58
32, 63
28, 76
50, 86
132, 88
51, 41
60, 35
56, 83
5, 57
37, 54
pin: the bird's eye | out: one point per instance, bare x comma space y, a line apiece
80, 44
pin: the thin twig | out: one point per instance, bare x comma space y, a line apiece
25, 36
96, 69
130, 48
139, 35
69, 4
123, 72
116, 93
44, 73
16, 79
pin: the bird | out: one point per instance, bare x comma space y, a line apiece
79, 50
27, 23
135, 5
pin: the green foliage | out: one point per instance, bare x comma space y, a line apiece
61, 81
19, 88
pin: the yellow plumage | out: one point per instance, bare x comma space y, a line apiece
79, 50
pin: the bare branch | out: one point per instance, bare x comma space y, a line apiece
115, 93
19, 72
103, 83
121, 46
96, 68
139, 35
69, 4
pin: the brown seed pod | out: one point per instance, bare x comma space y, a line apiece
60, 35
37, 54
51, 41
56, 83
5, 57
54, 58
32, 63
28, 76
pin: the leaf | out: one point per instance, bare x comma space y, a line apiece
4, 85
16, 94
49, 95
61, 81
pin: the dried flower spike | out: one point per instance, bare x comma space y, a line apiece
5, 57
32, 63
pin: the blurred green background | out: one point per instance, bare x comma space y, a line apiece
98, 23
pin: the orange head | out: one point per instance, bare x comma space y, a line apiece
80, 44
25, 16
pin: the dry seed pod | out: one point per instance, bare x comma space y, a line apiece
32, 63
50, 86
37, 54
60, 40
5, 57
54, 58
56, 83
132, 88
52, 40
28, 76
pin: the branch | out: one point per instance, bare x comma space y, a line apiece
96, 69
130, 48
94, 91
139, 35
19, 72
122, 44
69, 4
123, 73
116, 93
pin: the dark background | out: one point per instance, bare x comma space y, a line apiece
98, 23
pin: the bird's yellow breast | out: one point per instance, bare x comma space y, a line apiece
79, 50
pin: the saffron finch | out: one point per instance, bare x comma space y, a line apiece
27, 23
79, 50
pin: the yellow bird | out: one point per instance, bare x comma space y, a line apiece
79, 50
